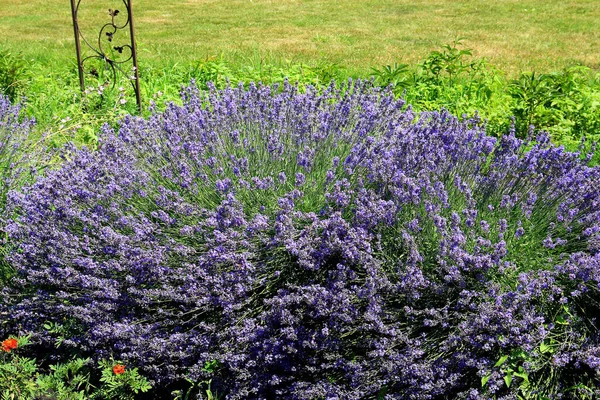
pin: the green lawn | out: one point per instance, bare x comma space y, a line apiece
514, 35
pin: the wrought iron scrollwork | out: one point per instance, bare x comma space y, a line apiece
108, 33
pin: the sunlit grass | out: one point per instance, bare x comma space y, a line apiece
514, 35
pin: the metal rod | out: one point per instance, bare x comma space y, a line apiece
138, 96
77, 45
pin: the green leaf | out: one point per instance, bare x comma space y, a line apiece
508, 380
522, 374
545, 348
501, 361
485, 379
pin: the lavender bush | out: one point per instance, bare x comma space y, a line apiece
317, 246
14, 131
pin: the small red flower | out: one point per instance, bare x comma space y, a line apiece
9, 344
118, 369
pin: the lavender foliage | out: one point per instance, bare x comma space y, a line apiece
14, 131
315, 245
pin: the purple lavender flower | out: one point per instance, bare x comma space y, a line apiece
300, 179
173, 246
15, 158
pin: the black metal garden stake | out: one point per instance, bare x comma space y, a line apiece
107, 32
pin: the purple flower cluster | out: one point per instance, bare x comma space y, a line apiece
14, 131
317, 245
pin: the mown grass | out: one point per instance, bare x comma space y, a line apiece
514, 35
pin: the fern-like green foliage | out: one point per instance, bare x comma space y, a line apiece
23, 378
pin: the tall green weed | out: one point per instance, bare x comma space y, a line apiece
13, 74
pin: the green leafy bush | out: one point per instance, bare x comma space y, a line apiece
564, 103
24, 378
